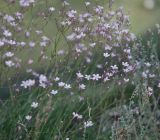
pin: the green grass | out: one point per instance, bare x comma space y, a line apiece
109, 106
53, 117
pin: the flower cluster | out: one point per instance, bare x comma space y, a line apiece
86, 49
26, 3
103, 32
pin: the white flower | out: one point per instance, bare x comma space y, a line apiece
126, 80
106, 79
129, 57
28, 83
45, 38
88, 77
148, 64
87, 3
32, 44
96, 77
76, 115
159, 85
71, 13
51, 9
88, 60
54, 92
82, 86
100, 66
151, 75
128, 51
28, 117
88, 124
79, 75
9, 54
42, 78
61, 52
9, 63
114, 67
67, 86
107, 47
43, 44
71, 37
7, 33
56, 79
43, 81
144, 74
65, 3
9, 18
92, 45
26, 3
34, 105
1, 43
99, 9
125, 64
30, 61
22, 44
109, 74
150, 89
61, 84
81, 35
106, 55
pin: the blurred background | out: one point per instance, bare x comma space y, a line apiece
143, 13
